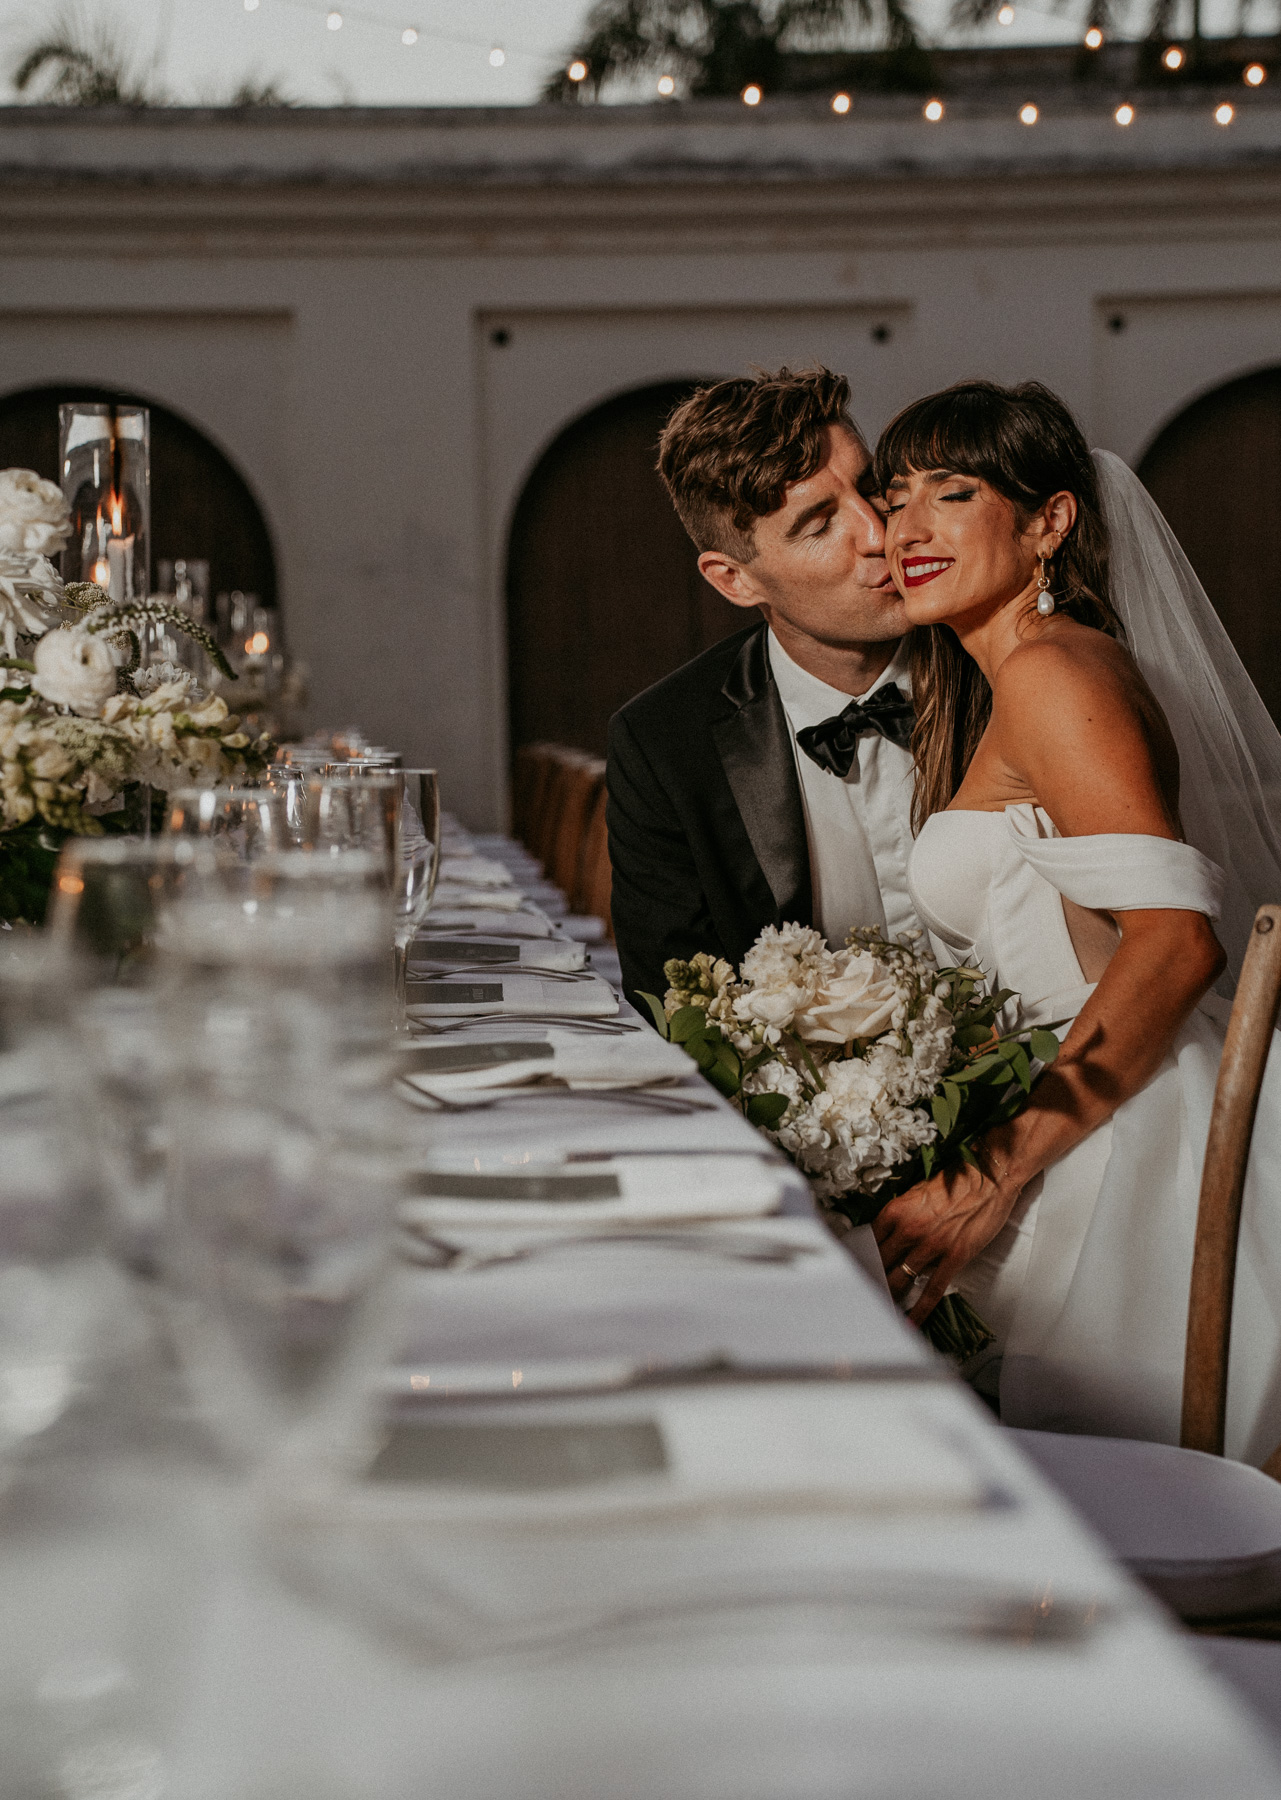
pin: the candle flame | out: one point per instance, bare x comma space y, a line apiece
100, 573
258, 644
117, 516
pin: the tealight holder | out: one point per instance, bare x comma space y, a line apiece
104, 459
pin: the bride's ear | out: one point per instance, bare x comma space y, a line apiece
1057, 518
728, 578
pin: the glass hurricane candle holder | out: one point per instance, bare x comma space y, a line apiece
105, 466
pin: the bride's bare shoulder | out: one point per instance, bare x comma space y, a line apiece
1075, 720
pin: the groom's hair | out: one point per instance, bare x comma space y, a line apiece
728, 454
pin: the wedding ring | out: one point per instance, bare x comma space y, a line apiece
909, 1271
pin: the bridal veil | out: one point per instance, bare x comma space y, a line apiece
1229, 747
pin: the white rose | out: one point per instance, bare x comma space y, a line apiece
34, 514
858, 1001
76, 669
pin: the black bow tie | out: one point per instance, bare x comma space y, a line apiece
833, 744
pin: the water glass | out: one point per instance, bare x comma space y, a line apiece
241, 824
357, 812
110, 896
54, 1285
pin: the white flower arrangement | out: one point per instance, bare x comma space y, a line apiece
80, 724
870, 1066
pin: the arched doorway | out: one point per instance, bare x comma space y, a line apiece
604, 596
1215, 472
201, 506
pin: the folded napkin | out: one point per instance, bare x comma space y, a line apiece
524, 924
438, 952
520, 995
601, 1062
450, 1189
477, 899
474, 871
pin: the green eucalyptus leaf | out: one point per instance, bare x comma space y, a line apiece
655, 1005
1044, 1046
1022, 1068
942, 1114
725, 1073
765, 1110
690, 1021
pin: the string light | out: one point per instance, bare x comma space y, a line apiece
577, 71
751, 94
1255, 75
1124, 115
840, 103
1005, 16
1093, 38
1173, 58
667, 85
334, 21
409, 35
497, 57
251, 5
1224, 115
933, 111
1029, 114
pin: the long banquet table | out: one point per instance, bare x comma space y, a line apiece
755, 1541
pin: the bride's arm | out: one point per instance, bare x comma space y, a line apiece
1076, 738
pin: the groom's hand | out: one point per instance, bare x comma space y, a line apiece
936, 1228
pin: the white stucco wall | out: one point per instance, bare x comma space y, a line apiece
318, 292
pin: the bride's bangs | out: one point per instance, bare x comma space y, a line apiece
971, 430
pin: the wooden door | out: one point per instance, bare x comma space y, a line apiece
604, 596
1215, 472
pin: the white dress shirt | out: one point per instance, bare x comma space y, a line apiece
859, 828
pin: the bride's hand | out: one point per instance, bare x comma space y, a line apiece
935, 1228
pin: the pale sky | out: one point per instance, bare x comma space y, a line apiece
203, 49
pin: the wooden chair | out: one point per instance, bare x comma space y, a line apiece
1202, 1532
529, 766
595, 877
583, 781
551, 797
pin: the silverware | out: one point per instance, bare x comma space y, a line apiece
741, 1247
501, 969
645, 1098
565, 1021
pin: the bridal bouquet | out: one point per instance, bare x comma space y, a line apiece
83, 730
870, 1066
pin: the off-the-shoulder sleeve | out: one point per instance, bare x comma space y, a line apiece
1119, 872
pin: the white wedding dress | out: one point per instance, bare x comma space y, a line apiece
1086, 1287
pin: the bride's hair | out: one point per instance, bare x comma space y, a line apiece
1025, 443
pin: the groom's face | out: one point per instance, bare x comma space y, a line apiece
820, 564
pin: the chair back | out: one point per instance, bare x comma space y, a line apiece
1227, 1152
583, 782
592, 895
563, 762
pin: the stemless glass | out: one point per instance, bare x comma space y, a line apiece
357, 812
240, 823
53, 1282
420, 850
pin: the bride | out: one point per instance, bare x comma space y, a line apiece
1092, 769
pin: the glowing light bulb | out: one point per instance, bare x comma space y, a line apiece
1005, 16
334, 21
409, 35
251, 5
666, 85
1029, 114
1093, 38
577, 71
1173, 58
1255, 75
497, 57
1224, 115
751, 94
1124, 115
258, 644
840, 103
933, 110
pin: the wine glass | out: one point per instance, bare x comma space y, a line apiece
357, 811
241, 823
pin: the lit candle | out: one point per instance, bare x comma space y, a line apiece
120, 568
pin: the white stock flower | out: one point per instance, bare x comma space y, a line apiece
859, 999
34, 514
75, 669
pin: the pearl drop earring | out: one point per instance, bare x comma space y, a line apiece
1044, 598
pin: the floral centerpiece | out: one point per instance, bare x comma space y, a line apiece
85, 733
870, 1066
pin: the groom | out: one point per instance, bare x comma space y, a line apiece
770, 779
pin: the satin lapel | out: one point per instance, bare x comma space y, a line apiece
756, 752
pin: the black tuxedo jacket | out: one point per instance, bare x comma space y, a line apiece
706, 827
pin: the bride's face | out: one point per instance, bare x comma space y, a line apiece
955, 547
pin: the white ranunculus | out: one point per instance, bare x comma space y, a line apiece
34, 514
29, 585
858, 1000
76, 669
